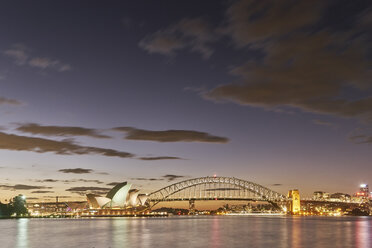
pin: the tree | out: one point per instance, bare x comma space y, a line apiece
5, 210
19, 205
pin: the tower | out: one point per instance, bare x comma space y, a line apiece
294, 203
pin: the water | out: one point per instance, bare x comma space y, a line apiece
174, 232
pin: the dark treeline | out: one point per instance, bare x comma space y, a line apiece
16, 207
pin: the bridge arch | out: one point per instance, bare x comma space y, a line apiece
260, 192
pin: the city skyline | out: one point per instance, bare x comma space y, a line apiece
152, 93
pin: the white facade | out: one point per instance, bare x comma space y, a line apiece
120, 196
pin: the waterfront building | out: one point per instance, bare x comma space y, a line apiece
55, 208
320, 196
342, 197
363, 192
121, 196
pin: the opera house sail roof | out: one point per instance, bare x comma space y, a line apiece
120, 196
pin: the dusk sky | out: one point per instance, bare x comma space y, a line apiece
153, 92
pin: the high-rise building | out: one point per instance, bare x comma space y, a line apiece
363, 191
295, 202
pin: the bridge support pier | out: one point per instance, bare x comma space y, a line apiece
191, 206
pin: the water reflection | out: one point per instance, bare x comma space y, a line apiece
362, 231
215, 233
22, 233
187, 232
296, 233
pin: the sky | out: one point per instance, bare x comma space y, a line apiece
154, 92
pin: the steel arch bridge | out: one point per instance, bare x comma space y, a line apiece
215, 188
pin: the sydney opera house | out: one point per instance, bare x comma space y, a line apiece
121, 196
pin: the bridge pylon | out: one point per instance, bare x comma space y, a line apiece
192, 207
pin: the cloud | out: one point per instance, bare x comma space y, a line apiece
44, 63
41, 192
170, 135
250, 21
86, 190
64, 147
21, 56
18, 52
9, 101
47, 181
171, 177
34, 128
102, 173
159, 158
162, 42
84, 181
192, 34
361, 136
113, 184
361, 139
146, 179
71, 180
323, 123
304, 67
23, 187
76, 171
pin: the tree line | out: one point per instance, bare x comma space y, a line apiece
16, 207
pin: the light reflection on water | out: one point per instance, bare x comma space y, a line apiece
22, 237
363, 230
209, 231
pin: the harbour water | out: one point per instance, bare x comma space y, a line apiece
190, 231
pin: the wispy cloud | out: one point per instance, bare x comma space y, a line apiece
171, 177
41, 192
76, 171
64, 147
22, 56
113, 183
170, 135
276, 184
90, 190
18, 52
146, 179
361, 136
9, 101
192, 34
159, 158
23, 187
34, 128
47, 181
71, 180
323, 123
44, 63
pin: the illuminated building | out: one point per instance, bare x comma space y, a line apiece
363, 192
294, 203
320, 196
342, 197
120, 196
55, 208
